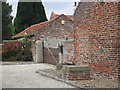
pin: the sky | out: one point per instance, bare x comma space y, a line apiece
56, 7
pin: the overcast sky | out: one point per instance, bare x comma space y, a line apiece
57, 7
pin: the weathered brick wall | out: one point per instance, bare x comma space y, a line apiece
14, 50
73, 72
57, 30
9, 49
97, 38
68, 52
10, 45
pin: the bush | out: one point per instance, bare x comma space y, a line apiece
18, 53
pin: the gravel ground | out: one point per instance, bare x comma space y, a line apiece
24, 76
93, 83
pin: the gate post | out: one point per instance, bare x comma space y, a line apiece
60, 52
39, 51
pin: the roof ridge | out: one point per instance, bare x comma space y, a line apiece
39, 25
32, 26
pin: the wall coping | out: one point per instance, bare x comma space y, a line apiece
11, 41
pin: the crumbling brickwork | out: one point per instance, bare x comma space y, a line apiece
55, 29
97, 38
68, 52
71, 72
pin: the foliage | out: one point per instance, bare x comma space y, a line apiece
0, 22
18, 52
13, 30
6, 21
29, 13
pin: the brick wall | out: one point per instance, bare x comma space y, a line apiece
96, 35
14, 50
10, 45
73, 72
68, 52
57, 30
9, 49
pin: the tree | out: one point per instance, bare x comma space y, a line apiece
6, 21
29, 13
0, 22
13, 30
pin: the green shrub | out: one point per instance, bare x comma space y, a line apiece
20, 53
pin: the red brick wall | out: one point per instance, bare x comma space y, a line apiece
71, 72
79, 75
10, 45
96, 35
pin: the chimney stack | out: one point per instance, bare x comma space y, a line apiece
75, 3
75, 6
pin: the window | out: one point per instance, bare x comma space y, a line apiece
62, 22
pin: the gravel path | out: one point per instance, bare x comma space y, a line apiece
24, 76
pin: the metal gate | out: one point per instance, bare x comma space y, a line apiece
51, 55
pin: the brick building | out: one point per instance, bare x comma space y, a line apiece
95, 33
96, 37
56, 33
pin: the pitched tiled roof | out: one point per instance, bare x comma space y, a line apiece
33, 28
53, 16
